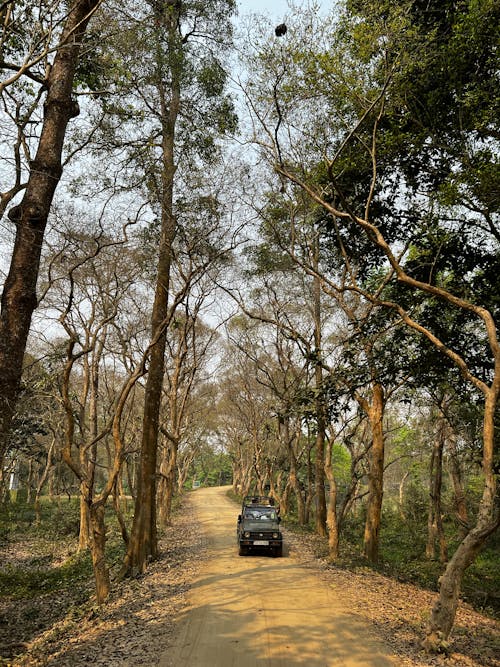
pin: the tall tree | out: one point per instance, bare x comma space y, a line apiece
19, 297
180, 44
89, 279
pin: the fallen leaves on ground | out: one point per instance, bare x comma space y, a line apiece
136, 626
398, 612
133, 628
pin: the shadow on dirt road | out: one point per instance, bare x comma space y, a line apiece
261, 611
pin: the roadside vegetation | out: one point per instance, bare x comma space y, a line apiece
402, 557
46, 583
47, 591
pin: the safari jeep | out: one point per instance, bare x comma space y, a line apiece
258, 526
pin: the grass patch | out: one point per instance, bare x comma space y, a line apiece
42, 557
59, 518
32, 579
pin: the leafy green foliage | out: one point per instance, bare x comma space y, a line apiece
402, 554
211, 468
137, 66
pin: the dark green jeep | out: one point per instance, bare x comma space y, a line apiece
258, 526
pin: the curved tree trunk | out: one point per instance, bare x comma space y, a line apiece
488, 520
443, 613
445, 607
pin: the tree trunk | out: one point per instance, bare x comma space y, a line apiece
402, 513
445, 607
19, 297
309, 490
167, 483
130, 469
183, 469
30, 481
143, 539
320, 408
375, 475
97, 548
455, 471
118, 511
42, 479
320, 481
331, 521
435, 531
84, 535
246, 483
488, 520
287, 440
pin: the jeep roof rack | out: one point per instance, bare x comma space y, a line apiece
258, 500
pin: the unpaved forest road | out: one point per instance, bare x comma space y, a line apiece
258, 610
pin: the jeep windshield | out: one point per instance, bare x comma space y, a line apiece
262, 516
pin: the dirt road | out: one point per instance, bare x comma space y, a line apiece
261, 611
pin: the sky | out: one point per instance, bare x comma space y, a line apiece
277, 8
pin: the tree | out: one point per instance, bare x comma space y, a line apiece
175, 61
364, 365
89, 278
19, 297
201, 248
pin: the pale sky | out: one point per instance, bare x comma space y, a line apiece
276, 8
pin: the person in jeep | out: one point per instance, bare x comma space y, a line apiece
258, 528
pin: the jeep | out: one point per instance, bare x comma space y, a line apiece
258, 526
